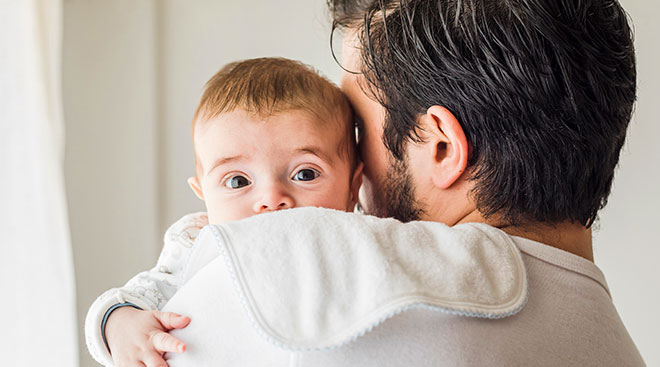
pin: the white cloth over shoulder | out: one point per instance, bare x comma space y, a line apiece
313, 278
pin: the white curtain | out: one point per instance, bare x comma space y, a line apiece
38, 325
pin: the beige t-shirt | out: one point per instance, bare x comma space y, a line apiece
569, 320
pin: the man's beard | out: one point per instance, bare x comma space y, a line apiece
395, 197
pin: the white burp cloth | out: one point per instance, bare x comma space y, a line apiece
312, 278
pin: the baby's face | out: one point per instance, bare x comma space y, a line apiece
252, 165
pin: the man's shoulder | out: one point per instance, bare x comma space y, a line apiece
275, 276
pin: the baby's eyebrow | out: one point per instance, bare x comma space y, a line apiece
220, 161
315, 151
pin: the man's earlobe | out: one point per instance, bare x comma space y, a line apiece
193, 182
449, 145
356, 182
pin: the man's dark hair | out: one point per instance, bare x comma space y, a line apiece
544, 90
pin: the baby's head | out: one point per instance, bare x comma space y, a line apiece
272, 134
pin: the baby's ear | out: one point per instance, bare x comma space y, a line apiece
356, 182
193, 182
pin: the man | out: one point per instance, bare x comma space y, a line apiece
510, 114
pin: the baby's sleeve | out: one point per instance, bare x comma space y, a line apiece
149, 290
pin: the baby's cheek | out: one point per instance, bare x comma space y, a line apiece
221, 211
336, 197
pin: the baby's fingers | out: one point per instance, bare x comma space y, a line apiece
171, 320
164, 342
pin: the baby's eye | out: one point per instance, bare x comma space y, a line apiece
237, 182
306, 174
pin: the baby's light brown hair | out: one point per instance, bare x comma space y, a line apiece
267, 86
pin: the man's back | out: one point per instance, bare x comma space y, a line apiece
569, 320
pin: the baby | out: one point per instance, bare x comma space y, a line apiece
268, 134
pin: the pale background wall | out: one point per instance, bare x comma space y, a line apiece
133, 72
110, 114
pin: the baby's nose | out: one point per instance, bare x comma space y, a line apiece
274, 200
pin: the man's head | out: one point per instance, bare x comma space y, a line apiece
519, 107
272, 134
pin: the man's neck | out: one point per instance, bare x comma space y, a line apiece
573, 238
570, 237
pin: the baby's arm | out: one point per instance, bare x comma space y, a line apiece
149, 291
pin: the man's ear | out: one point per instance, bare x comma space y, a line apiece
356, 182
446, 141
193, 182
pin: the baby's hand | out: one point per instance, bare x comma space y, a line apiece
141, 338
